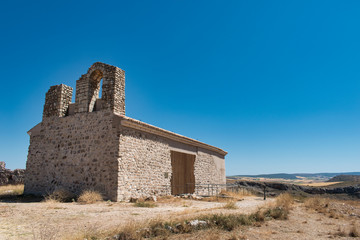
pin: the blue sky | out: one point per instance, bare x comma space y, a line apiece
274, 83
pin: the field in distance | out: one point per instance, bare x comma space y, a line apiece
304, 179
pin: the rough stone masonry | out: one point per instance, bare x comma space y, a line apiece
8, 176
91, 144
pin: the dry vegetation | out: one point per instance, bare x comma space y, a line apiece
90, 196
60, 195
178, 218
162, 229
337, 210
230, 205
11, 190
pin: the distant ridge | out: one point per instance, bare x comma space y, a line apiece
345, 178
296, 175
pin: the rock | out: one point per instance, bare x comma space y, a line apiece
169, 228
8, 176
179, 227
274, 189
133, 200
151, 198
198, 223
2, 165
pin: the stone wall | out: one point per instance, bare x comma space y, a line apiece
113, 89
145, 164
57, 101
143, 161
8, 176
75, 153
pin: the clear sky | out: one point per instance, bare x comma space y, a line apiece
274, 83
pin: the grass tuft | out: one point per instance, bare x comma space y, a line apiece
230, 205
60, 195
284, 200
90, 196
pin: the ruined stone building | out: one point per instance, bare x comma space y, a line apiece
91, 144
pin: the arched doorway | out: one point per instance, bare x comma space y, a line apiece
95, 86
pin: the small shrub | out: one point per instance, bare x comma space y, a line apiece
317, 203
60, 195
258, 216
228, 222
230, 205
90, 196
279, 213
285, 201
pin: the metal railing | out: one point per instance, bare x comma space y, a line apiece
206, 189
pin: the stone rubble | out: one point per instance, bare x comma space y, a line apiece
8, 176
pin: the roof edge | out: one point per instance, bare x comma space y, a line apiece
136, 124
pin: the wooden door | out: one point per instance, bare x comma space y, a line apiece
183, 178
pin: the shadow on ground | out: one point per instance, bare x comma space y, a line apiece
10, 198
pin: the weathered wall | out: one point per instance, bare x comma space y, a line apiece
143, 161
57, 101
76, 152
145, 164
209, 169
113, 89
8, 176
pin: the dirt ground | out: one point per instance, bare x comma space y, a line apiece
303, 223
42, 220
51, 220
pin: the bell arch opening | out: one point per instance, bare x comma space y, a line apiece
96, 82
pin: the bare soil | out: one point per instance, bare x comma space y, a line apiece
53, 220
303, 223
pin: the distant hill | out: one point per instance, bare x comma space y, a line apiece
345, 178
291, 176
275, 175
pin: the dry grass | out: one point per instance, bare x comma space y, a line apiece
323, 205
12, 190
230, 205
90, 196
60, 195
185, 226
317, 203
46, 232
239, 194
332, 208
318, 184
284, 200
354, 232
278, 210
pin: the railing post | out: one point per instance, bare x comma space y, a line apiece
264, 192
